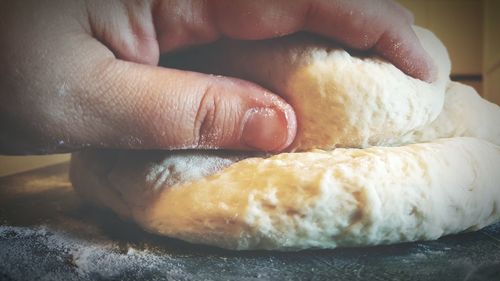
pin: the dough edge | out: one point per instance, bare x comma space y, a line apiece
324, 199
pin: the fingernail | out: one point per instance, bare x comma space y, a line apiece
265, 129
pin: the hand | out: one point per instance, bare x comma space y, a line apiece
83, 73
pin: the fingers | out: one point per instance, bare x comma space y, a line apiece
383, 26
401, 47
405, 12
139, 31
126, 28
144, 106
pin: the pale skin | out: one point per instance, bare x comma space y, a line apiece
83, 73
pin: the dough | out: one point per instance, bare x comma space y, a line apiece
321, 198
341, 100
464, 113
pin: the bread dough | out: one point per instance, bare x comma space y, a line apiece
464, 113
321, 198
341, 100
316, 199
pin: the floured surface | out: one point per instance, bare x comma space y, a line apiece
46, 234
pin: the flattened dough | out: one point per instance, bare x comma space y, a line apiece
321, 198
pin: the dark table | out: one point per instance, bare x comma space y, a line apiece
47, 233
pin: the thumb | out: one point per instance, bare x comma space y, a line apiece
141, 106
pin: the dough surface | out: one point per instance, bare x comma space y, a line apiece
319, 199
340, 99
421, 160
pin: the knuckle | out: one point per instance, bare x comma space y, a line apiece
206, 125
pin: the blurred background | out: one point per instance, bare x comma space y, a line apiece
470, 29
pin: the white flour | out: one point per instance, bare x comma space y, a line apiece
26, 252
42, 253
189, 166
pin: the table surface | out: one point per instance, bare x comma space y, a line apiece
47, 233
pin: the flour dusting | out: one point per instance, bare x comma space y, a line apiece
30, 253
177, 168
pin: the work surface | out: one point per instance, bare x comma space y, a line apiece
47, 233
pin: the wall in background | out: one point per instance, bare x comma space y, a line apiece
16, 164
491, 59
459, 24
470, 29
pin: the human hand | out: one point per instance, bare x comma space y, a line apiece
83, 73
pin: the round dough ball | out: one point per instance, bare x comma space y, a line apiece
341, 98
